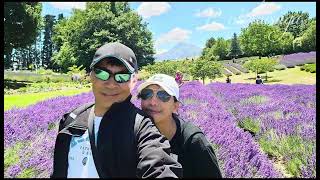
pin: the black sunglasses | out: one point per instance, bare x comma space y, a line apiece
148, 93
105, 74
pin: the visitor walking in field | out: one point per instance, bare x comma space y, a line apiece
160, 99
111, 137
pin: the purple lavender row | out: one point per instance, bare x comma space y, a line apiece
20, 124
239, 67
232, 69
296, 105
36, 128
239, 154
289, 110
295, 59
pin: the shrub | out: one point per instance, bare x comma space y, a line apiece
280, 67
45, 71
143, 74
309, 68
250, 125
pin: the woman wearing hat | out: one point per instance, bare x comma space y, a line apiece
160, 100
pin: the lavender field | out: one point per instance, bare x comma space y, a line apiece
264, 131
300, 58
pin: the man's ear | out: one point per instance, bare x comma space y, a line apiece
134, 80
136, 76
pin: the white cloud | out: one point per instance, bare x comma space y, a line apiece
175, 35
148, 9
160, 51
68, 5
243, 19
209, 12
264, 9
214, 26
261, 10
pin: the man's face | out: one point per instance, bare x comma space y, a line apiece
160, 111
108, 92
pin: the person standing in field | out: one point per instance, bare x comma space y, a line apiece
259, 80
160, 99
111, 137
179, 78
228, 80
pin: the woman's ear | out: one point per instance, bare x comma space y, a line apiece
176, 107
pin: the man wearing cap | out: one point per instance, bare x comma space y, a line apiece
111, 137
160, 99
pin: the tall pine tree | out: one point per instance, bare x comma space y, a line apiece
47, 41
235, 50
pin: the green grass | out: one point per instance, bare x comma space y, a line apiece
250, 125
293, 147
11, 155
256, 99
27, 173
23, 100
288, 76
188, 101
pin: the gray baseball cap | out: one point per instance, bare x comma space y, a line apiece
118, 51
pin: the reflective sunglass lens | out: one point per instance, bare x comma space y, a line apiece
146, 94
102, 75
121, 78
163, 96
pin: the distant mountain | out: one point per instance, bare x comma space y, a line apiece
180, 51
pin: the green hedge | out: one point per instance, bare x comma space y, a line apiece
308, 68
280, 67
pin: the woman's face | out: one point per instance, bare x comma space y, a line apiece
156, 108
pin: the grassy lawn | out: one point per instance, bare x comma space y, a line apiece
23, 100
287, 76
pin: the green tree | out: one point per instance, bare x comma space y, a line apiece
100, 23
210, 55
308, 40
286, 43
262, 65
202, 68
294, 22
57, 40
235, 49
47, 48
168, 67
210, 42
220, 48
260, 39
22, 21
297, 44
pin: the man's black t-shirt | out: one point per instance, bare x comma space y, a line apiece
195, 153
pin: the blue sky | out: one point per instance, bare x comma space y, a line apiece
195, 22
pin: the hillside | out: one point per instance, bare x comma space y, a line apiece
180, 51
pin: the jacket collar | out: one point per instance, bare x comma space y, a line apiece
82, 123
